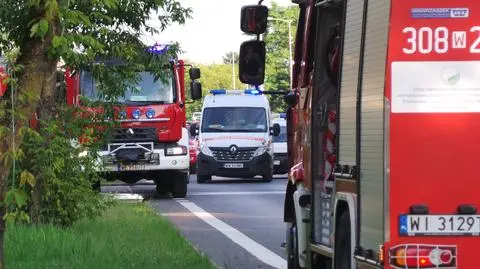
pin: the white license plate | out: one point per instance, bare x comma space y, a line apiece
276, 162
439, 225
233, 165
131, 167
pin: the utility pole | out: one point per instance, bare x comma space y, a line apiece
233, 70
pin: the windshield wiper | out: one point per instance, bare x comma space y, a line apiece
244, 130
145, 103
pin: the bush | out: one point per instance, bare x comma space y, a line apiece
62, 172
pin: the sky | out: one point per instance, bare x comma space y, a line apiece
213, 31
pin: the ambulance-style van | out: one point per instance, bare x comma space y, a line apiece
280, 158
235, 136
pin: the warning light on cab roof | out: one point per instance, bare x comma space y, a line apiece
248, 92
423, 256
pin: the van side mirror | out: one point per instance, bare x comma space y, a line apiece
194, 73
193, 130
252, 62
195, 90
275, 130
253, 19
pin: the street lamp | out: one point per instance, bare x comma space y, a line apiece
289, 45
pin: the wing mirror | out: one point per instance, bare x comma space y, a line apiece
252, 62
275, 130
194, 73
253, 19
195, 90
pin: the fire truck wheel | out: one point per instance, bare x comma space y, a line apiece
180, 185
342, 242
293, 262
203, 179
267, 178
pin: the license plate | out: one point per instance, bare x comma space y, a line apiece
276, 162
233, 165
131, 167
439, 225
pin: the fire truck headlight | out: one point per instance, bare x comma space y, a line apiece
205, 149
150, 113
173, 151
136, 113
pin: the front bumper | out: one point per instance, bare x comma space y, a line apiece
260, 165
159, 161
280, 163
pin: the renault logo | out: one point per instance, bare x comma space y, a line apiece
233, 149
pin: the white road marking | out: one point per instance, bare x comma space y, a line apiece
262, 253
199, 193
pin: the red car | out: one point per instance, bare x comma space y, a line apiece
193, 152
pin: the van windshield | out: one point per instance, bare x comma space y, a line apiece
146, 90
234, 119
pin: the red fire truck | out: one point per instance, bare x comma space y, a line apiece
152, 141
385, 104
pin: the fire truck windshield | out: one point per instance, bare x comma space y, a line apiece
234, 119
146, 90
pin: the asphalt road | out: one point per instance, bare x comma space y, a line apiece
237, 223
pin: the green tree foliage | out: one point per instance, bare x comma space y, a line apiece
277, 75
77, 31
215, 76
227, 59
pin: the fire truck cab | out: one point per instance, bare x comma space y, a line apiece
152, 140
385, 102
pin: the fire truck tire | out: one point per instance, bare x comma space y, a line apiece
342, 242
267, 178
180, 183
203, 179
292, 262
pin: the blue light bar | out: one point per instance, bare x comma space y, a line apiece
158, 49
218, 91
253, 92
283, 115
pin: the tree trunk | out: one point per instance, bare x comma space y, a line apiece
38, 78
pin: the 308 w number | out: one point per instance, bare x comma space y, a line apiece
426, 40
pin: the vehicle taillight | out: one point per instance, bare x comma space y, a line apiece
423, 256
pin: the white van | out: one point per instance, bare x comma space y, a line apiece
235, 136
280, 157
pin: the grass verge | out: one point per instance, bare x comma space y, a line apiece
129, 235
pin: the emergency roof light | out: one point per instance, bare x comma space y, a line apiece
236, 92
279, 115
158, 49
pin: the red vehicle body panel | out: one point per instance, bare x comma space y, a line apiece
193, 151
433, 155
